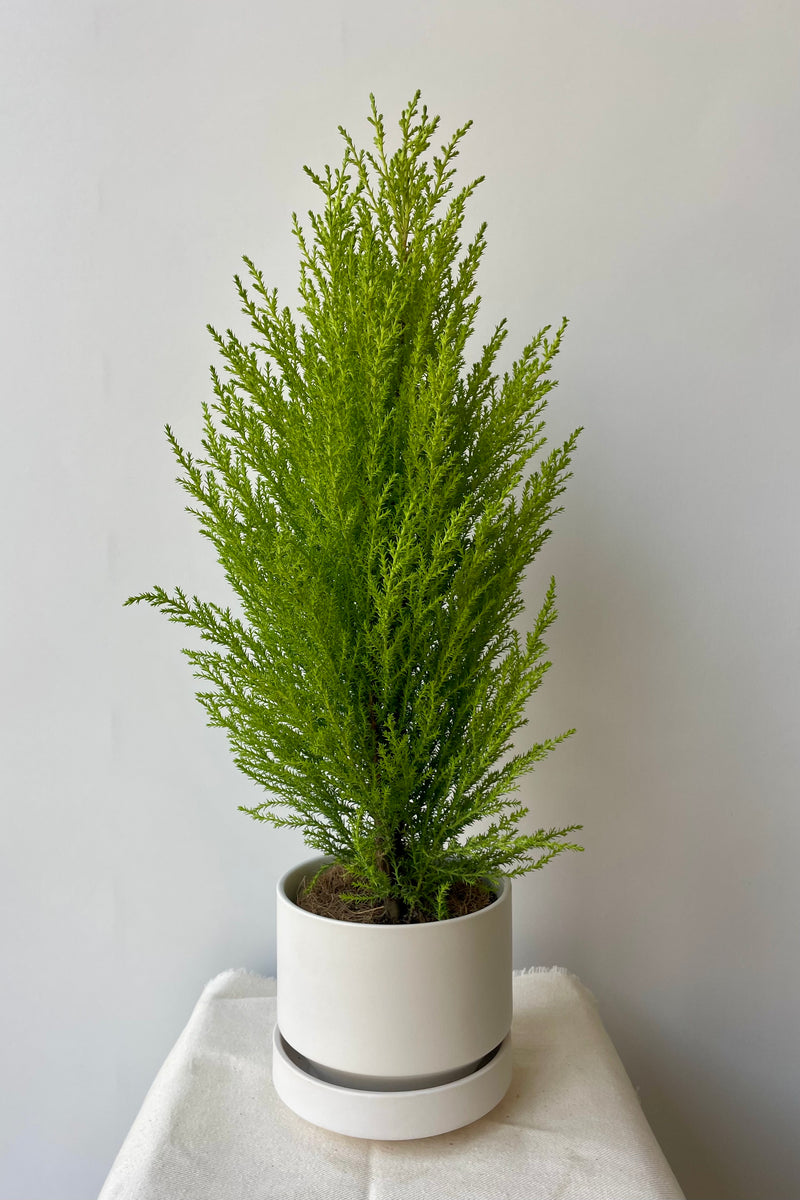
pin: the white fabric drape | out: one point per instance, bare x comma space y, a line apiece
570, 1126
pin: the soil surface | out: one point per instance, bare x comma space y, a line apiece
324, 898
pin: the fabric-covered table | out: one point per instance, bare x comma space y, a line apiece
570, 1126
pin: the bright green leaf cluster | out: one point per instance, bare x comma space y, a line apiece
374, 502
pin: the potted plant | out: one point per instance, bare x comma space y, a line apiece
374, 502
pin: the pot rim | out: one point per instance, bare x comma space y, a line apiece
503, 896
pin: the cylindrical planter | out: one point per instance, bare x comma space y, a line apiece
405, 1009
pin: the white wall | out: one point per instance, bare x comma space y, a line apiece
643, 178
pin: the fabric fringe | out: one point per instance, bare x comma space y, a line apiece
542, 971
522, 974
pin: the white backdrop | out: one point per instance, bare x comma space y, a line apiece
642, 178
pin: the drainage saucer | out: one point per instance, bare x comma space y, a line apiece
390, 1115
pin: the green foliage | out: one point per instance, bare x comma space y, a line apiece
374, 504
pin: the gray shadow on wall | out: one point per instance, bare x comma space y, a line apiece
669, 917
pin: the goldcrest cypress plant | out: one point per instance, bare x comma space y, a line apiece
374, 502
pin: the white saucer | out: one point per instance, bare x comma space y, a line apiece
389, 1115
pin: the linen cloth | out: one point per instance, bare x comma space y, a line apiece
569, 1128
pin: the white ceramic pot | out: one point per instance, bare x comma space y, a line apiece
393, 1008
